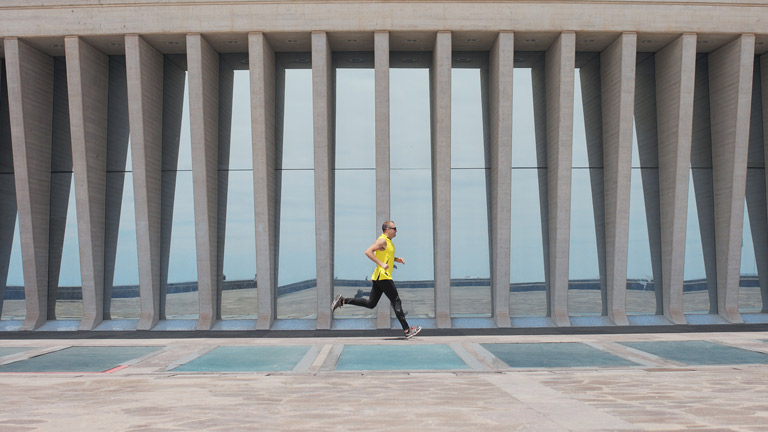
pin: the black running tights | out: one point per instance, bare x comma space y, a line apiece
387, 287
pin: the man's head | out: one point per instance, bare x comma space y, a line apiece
389, 228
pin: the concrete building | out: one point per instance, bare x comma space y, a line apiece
103, 95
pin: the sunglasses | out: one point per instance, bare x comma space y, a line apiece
393, 228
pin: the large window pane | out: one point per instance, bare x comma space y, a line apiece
523, 125
410, 121
69, 300
411, 189
412, 212
356, 229
584, 290
641, 294
297, 275
125, 289
584, 295
181, 298
14, 307
238, 296
750, 298
470, 265
695, 290
355, 200
528, 292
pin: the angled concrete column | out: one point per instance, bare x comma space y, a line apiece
648, 149
559, 75
203, 65
118, 130
61, 180
381, 70
7, 187
323, 107
501, 66
730, 89
701, 176
88, 79
757, 205
144, 69
591, 97
226, 87
675, 73
261, 60
174, 77
539, 90
441, 175
30, 99
617, 71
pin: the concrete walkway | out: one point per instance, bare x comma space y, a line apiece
668, 381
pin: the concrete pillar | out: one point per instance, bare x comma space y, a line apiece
323, 106
261, 60
730, 89
118, 130
757, 205
617, 71
539, 90
591, 97
30, 100
701, 175
226, 87
88, 79
501, 66
559, 76
7, 187
203, 66
381, 71
648, 149
61, 180
144, 70
675, 73
174, 77
441, 175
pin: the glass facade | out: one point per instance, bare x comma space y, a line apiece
584, 285
238, 296
411, 188
69, 300
181, 297
356, 226
14, 305
528, 290
641, 287
470, 263
296, 275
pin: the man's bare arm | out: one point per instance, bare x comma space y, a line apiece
379, 244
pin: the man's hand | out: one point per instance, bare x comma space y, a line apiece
399, 260
384, 266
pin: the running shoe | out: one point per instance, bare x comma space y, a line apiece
337, 302
413, 331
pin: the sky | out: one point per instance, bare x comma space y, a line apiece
411, 201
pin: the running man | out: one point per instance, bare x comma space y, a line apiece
382, 252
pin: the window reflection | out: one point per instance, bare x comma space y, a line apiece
585, 295
69, 300
412, 212
125, 289
528, 291
695, 289
470, 264
297, 275
14, 306
411, 188
238, 296
750, 298
355, 190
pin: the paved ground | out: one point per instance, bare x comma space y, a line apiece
557, 382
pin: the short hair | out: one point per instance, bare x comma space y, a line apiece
386, 225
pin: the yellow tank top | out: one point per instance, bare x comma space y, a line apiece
386, 256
